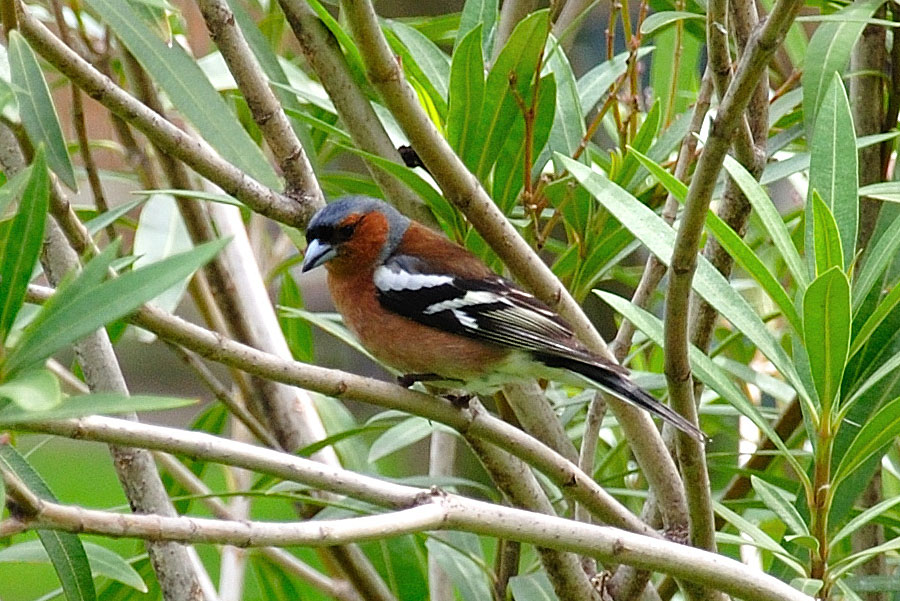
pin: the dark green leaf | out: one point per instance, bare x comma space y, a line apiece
36, 108
876, 433
20, 252
426, 61
827, 239
188, 89
512, 74
826, 332
297, 333
466, 95
477, 13
881, 253
781, 505
64, 549
829, 51
833, 170
76, 315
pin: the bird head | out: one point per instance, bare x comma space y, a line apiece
352, 233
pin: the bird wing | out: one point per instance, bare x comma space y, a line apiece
490, 309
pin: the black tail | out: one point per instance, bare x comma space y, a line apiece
614, 379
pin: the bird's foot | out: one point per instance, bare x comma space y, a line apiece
407, 380
459, 400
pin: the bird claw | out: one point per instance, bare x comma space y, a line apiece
459, 400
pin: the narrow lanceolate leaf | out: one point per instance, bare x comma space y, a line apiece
188, 89
659, 238
36, 108
512, 74
827, 239
475, 13
82, 311
829, 51
91, 404
781, 504
883, 309
595, 84
432, 64
664, 18
460, 556
707, 371
568, 122
772, 221
65, 550
466, 94
862, 519
826, 331
35, 390
876, 433
833, 170
20, 252
881, 252
103, 561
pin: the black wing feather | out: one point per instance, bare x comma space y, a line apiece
495, 310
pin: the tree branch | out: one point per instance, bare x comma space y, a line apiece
430, 511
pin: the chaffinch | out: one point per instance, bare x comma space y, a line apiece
426, 306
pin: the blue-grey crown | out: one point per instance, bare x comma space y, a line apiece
335, 212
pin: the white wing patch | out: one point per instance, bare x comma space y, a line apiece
387, 279
472, 298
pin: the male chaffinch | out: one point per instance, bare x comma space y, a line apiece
426, 306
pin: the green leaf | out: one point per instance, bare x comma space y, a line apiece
512, 73
568, 121
662, 19
881, 253
466, 94
477, 13
330, 323
888, 368
772, 221
400, 436
781, 505
641, 143
297, 334
428, 62
659, 238
833, 170
826, 238
829, 51
866, 516
877, 432
508, 179
36, 108
80, 312
881, 312
161, 233
103, 561
188, 88
20, 252
92, 404
759, 537
708, 372
13, 187
532, 587
35, 390
459, 555
826, 332
64, 549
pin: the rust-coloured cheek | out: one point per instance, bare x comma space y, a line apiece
361, 250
